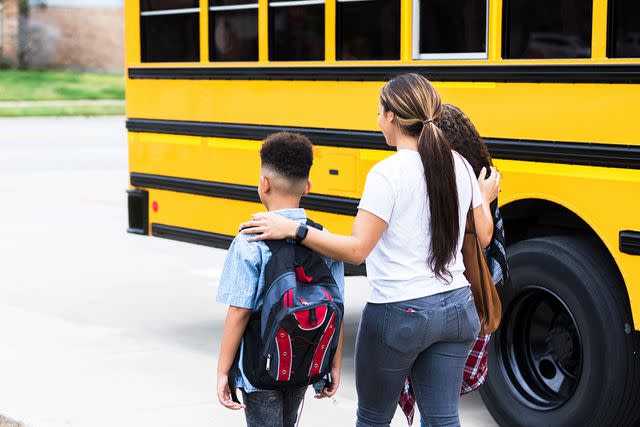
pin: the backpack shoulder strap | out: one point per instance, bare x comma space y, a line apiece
274, 245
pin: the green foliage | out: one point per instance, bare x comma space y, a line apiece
4, 64
30, 85
67, 110
24, 7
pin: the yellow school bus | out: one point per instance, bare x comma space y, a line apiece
552, 85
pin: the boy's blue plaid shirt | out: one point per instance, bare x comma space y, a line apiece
243, 277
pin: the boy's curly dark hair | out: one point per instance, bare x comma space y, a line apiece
464, 138
289, 154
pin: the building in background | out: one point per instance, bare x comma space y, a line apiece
9, 31
63, 34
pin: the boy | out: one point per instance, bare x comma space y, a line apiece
284, 179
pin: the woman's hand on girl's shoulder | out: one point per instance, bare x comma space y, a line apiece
489, 187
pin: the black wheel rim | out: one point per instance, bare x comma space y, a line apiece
539, 349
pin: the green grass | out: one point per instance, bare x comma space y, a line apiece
59, 85
86, 110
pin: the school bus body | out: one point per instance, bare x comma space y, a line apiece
606, 198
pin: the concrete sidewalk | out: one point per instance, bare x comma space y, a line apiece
58, 373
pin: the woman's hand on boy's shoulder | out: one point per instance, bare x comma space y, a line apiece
269, 226
224, 393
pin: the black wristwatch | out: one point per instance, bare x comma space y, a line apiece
301, 232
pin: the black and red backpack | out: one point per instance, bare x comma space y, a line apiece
292, 338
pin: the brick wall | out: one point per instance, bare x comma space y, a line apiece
77, 38
10, 30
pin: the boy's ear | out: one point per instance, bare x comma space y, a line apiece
307, 188
265, 184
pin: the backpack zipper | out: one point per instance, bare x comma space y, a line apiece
313, 317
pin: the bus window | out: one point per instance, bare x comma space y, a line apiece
368, 29
624, 29
233, 30
450, 29
547, 29
170, 30
296, 30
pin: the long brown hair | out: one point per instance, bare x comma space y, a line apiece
417, 107
464, 137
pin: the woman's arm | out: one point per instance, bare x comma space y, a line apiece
484, 224
365, 233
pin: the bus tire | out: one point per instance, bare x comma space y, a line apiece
564, 353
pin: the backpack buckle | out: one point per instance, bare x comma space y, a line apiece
301, 275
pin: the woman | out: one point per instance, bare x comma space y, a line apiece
410, 226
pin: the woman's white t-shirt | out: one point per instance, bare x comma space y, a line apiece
396, 192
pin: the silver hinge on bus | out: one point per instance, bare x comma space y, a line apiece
268, 362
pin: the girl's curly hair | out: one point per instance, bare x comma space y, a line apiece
464, 137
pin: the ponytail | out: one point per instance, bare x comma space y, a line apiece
442, 194
417, 106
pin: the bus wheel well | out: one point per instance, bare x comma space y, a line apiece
530, 218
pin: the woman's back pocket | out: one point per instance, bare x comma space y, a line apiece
405, 326
468, 320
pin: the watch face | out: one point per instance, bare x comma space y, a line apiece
301, 233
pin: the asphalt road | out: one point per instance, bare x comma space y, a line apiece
102, 328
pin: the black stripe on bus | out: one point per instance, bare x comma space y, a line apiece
572, 153
247, 193
220, 241
543, 73
630, 242
577, 153
215, 240
330, 137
